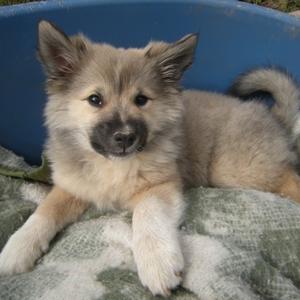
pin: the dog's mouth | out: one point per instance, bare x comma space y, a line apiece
124, 153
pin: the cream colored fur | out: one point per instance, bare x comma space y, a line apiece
27, 245
156, 246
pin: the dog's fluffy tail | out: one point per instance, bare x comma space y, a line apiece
283, 89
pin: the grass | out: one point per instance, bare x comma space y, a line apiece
10, 2
284, 5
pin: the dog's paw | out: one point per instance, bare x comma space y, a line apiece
159, 265
23, 249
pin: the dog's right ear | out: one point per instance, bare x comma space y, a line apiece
173, 59
60, 55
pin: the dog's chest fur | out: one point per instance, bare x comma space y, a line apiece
109, 184
113, 183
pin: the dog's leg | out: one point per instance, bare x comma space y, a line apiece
156, 248
26, 245
289, 185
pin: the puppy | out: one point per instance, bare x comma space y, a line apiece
123, 135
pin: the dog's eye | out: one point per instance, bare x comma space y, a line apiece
140, 100
95, 100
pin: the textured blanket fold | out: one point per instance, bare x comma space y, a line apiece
238, 244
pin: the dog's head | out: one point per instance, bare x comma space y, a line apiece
110, 100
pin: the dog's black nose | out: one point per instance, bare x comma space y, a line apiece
124, 140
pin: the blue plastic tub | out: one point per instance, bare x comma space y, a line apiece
234, 37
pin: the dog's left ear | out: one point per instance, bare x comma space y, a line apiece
173, 59
60, 54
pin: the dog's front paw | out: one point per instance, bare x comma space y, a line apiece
23, 249
159, 264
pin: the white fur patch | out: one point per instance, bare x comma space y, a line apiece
156, 247
26, 245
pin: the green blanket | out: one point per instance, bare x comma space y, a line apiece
238, 244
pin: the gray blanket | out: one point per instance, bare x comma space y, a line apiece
238, 244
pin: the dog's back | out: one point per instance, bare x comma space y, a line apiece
232, 143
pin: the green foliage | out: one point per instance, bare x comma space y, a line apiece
284, 5
11, 2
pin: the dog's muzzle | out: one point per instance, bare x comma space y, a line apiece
118, 139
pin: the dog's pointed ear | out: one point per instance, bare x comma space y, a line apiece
173, 59
60, 54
